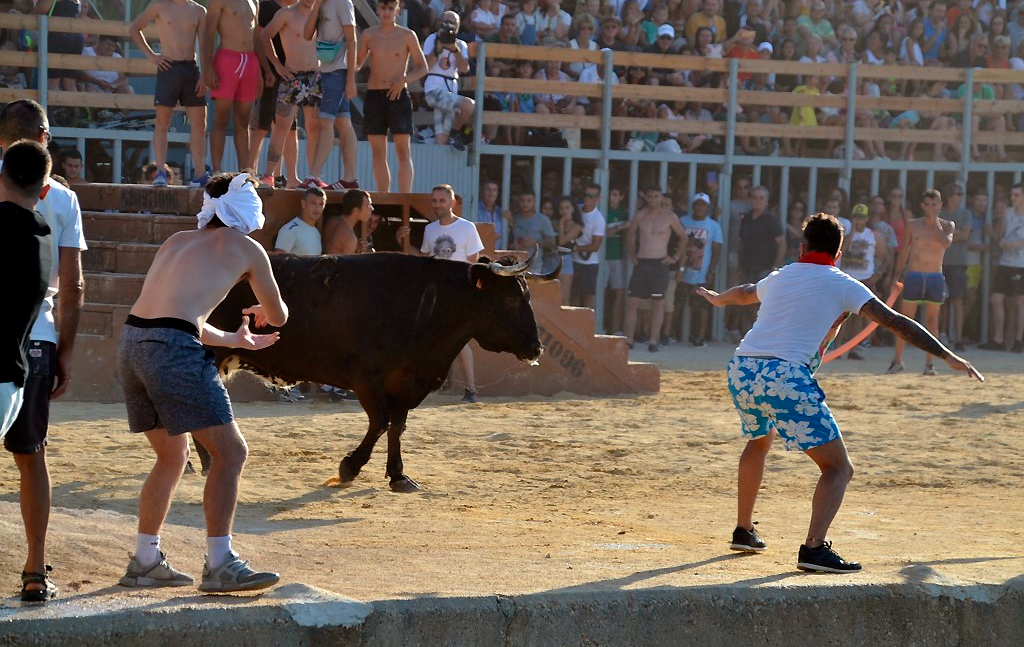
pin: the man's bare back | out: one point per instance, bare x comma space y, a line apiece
194, 270
235, 21
288, 23
391, 47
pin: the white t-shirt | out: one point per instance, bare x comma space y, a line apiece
593, 225
62, 213
444, 73
577, 68
297, 237
590, 75
799, 304
334, 15
1014, 231
551, 23
457, 241
99, 75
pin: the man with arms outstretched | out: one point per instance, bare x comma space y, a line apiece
178, 24
771, 379
172, 387
232, 74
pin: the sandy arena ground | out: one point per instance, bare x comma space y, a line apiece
570, 493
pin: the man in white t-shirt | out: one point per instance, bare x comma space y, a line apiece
452, 238
103, 80
587, 254
51, 340
333, 24
300, 235
771, 379
445, 61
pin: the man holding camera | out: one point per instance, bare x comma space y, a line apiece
447, 57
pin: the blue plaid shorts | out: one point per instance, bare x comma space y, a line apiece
774, 394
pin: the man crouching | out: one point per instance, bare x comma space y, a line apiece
171, 384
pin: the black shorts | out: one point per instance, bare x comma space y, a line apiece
64, 44
381, 114
1009, 281
584, 281
956, 281
178, 84
687, 295
266, 109
649, 279
28, 433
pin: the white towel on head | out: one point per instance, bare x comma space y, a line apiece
240, 208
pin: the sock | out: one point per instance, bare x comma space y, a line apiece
147, 549
217, 549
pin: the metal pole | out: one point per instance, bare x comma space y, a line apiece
968, 126
42, 78
851, 124
478, 129
601, 178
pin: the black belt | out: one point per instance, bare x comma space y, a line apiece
164, 322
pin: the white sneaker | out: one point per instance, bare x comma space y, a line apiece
156, 575
235, 575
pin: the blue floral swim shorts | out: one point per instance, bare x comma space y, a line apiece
771, 393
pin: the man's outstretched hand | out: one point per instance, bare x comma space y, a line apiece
960, 364
245, 338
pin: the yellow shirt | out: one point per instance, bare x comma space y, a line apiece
804, 115
701, 19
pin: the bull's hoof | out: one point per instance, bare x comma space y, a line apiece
345, 472
405, 485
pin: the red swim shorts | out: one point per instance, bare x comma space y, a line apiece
238, 76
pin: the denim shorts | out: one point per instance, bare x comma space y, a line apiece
334, 104
775, 394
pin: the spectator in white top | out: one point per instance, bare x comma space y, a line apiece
447, 57
104, 81
587, 254
301, 236
553, 25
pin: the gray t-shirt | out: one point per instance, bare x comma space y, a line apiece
536, 227
956, 254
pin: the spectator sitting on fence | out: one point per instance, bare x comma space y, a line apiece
339, 232
445, 62
300, 235
62, 42
802, 115
704, 46
507, 34
103, 81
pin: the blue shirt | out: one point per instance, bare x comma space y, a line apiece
701, 235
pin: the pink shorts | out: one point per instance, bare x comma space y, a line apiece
238, 76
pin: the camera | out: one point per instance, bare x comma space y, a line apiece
447, 35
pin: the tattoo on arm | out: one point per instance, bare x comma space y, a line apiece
905, 327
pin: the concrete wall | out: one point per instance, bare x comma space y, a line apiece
829, 614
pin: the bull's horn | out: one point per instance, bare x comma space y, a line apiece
550, 276
517, 268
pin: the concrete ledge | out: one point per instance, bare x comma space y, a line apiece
830, 613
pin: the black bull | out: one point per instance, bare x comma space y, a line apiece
388, 327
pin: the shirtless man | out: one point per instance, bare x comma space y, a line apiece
172, 387
232, 74
651, 262
178, 24
925, 241
339, 235
387, 105
300, 85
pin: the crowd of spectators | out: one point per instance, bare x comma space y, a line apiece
959, 34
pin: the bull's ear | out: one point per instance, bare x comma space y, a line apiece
479, 274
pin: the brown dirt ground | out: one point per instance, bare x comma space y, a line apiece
566, 493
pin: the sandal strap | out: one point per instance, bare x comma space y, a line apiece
36, 578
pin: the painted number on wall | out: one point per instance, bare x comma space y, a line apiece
557, 351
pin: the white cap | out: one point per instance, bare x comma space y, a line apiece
667, 30
765, 47
702, 197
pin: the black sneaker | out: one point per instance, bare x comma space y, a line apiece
824, 560
1018, 346
470, 397
992, 345
747, 541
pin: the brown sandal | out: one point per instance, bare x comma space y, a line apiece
48, 592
